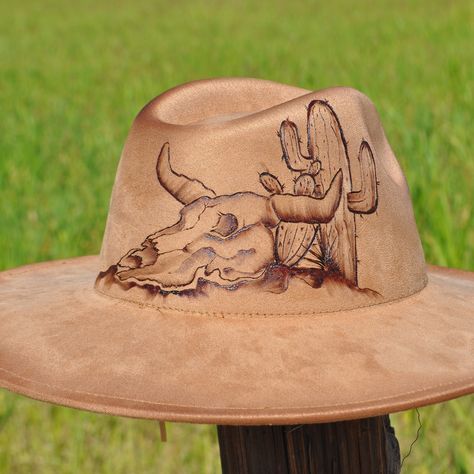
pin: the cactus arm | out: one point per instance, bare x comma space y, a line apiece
365, 200
271, 183
290, 144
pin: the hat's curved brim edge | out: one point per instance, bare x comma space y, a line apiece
64, 374
244, 417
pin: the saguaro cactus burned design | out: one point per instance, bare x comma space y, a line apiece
330, 247
260, 240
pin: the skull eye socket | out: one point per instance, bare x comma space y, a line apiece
226, 225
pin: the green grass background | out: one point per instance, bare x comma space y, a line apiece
74, 74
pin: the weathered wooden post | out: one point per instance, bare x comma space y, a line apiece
366, 446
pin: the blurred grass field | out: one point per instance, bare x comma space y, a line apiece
72, 77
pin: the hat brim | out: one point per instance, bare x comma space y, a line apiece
64, 343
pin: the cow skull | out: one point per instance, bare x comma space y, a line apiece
227, 239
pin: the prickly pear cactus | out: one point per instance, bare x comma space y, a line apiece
329, 247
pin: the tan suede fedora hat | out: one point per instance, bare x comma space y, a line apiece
261, 265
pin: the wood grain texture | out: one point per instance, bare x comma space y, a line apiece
366, 446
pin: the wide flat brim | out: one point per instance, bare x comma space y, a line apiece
64, 343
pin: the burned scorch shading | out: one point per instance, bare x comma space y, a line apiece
262, 240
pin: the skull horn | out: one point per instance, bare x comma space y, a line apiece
182, 188
308, 209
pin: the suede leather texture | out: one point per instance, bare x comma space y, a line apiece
260, 264
224, 133
82, 349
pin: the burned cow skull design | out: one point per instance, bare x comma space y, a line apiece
225, 239
235, 239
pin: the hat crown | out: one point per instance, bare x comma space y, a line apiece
243, 196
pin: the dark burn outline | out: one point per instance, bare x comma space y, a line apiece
276, 276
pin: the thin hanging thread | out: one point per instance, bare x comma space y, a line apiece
163, 435
415, 440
